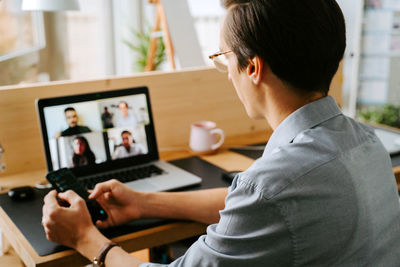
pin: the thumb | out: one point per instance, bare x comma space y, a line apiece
51, 197
71, 197
102, 188
103, 224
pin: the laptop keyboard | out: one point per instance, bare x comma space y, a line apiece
126, 175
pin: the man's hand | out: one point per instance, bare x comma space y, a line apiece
66, 225
71, 226
119, 201
123, 204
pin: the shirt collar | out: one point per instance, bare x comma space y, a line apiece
302, 119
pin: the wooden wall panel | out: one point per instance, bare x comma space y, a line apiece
177, 98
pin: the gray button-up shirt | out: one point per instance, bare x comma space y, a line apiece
322, 194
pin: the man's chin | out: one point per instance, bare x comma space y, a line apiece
254, 116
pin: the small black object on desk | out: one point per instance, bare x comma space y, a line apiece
21, 193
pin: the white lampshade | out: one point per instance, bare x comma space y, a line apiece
50, 5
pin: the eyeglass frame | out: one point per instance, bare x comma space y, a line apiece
215, 56
219, 54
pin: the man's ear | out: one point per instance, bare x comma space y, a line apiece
255, 70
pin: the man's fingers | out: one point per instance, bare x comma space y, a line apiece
102, 188
50, 206
71, 197
50, 201
46, 222
102, 224
50, 197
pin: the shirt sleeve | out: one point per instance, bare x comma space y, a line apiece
251, 232
118, 153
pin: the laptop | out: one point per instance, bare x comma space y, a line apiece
107, 135
390, 140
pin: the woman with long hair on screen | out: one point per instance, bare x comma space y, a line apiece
83, 155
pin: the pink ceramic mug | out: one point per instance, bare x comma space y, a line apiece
203, 137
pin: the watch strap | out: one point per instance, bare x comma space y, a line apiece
100, 258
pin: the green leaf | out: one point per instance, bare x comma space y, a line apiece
140, 44
387, 114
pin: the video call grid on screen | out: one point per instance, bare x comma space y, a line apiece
111, 128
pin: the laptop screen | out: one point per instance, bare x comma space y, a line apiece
95, 131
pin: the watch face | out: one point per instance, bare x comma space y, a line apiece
96, 263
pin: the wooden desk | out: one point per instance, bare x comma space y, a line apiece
134, 241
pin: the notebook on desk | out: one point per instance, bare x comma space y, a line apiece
107, 135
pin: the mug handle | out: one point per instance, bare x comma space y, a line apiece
221, 134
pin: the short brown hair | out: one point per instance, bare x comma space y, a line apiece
302, 41
126, 132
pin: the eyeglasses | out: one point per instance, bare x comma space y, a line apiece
221, 63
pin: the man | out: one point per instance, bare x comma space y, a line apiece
125, 117
107, 119
128, 147
71, 117
322, 194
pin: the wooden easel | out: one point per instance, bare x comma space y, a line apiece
161, 20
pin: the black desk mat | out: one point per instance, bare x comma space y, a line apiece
249, 152
27, 215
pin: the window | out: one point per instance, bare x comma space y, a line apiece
95, 35
20, 32
86, 40
88, 43
207, 15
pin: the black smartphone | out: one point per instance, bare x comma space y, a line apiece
64, 179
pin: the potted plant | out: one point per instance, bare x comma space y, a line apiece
387, 114
140, 44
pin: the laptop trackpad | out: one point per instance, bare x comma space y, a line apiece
143, 185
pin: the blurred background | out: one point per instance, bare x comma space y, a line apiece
111, 37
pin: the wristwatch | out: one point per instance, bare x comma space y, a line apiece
98, 261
